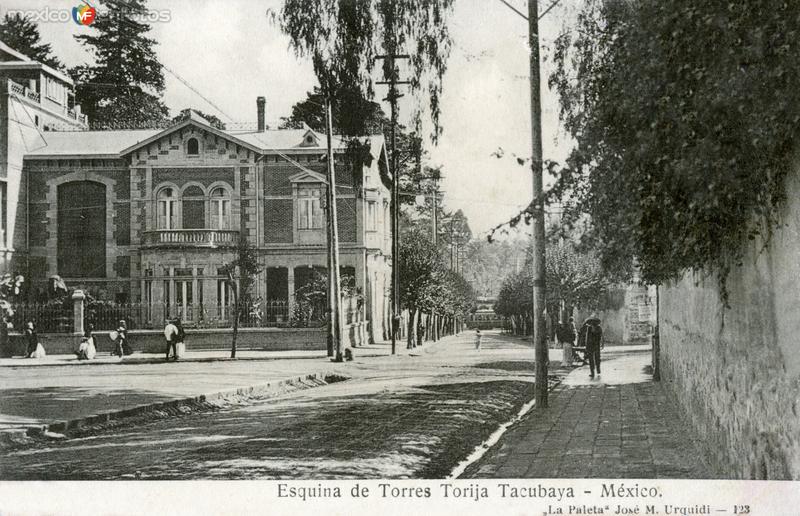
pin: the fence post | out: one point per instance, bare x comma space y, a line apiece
78, 298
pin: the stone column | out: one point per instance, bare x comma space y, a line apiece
290, 288
78, 298
195, 296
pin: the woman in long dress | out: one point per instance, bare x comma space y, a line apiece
31, 340
86, 349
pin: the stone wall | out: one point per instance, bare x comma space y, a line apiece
152, 341
736, 371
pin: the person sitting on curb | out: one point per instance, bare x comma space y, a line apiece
86, 349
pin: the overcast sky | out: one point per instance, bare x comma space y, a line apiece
230, 53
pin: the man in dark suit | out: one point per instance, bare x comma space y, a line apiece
592, 337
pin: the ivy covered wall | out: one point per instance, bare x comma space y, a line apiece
737, 371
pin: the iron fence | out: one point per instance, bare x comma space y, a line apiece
46, 317
106, 316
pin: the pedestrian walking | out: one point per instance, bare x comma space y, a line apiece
478, 339
180, 338
31, 340
122, 339
567, 336
592, 337
171, 336
34, 348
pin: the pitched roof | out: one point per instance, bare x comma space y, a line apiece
13, 53
90, 143
197, 121
119, 143
285, 139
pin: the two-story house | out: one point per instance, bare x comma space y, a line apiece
33, 98
151, 216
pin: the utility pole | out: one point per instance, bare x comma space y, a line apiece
334, 285
539, 330
392, 80
433, 217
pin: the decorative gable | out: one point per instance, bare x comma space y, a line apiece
307, 176
310, 139
180, 133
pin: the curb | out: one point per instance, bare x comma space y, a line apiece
189, 360
170, 408
474, 462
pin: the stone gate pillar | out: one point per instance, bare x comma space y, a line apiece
78, 298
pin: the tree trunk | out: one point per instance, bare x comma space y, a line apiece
235, 322
422, 328
410, 333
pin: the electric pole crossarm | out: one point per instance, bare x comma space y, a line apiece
392, 81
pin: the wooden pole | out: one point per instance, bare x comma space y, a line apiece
539, 329
333, 272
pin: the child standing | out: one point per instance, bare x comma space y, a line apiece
478, 339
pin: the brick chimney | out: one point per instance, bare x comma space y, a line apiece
261, 102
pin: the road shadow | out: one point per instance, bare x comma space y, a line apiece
47, 404
415, 433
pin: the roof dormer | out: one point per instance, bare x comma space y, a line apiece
310, 139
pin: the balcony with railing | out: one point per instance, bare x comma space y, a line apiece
181, 238
35, 96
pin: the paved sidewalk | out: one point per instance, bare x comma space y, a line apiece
378, 349
619, 425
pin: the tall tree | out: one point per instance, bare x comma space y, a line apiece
684, 115
573, 279
487, 263
22, 34
343, 38
123, 87
241, 276
353, 114
421, 266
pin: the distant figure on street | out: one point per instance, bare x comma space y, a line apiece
592, 337
122, 340
568, 334
478, 339
180, 339
33, 349
171, 336
88, 334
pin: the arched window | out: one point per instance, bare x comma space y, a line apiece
167, 209
193, 204
192, 147
220, 209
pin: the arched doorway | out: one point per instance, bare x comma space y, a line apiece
82, 229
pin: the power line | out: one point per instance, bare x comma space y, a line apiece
549, 8
186, 83
515, 9
524, 16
